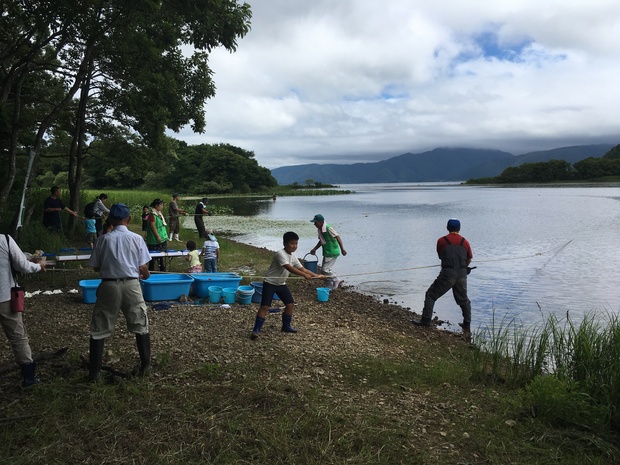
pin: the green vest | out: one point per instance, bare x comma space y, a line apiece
331, 247
151, 238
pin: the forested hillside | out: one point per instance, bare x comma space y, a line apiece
602, 168
441, 164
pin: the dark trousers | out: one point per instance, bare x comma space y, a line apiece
448, 279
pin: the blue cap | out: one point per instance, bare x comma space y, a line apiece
454, 224
119, 211
317, 218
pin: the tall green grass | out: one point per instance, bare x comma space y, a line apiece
570, 372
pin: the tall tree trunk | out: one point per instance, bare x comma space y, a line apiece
12, 171
76, 152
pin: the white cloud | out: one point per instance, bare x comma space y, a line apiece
357, 80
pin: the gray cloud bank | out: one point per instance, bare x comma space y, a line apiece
362, 80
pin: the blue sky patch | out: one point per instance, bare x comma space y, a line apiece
489, 47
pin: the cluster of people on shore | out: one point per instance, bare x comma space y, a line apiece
158, 233
122, 258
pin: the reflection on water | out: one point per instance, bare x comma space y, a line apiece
245, 206
538, 250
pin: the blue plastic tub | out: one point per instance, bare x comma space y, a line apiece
202, 281
89, 290
166, 286
258, 292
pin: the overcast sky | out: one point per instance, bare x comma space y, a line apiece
345, 81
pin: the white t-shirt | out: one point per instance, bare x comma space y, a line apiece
277, 274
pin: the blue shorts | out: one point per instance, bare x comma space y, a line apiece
270, 289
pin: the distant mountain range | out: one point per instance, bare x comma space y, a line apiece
441, 164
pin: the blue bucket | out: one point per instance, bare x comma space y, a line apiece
322, 293
311, 265
215, 294
229, 294
245, 300
244, 294
258, 292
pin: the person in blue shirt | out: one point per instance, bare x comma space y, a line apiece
90, 226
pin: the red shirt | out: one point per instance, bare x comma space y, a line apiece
450, 256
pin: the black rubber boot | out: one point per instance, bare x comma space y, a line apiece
143, 341
95, 359
29, 377
286, 324
422, 322
466, 330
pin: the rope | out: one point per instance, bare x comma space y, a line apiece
398, 270
559, 248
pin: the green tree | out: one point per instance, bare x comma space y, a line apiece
218, 168
613, 153
140, 64
591, 168
553, 170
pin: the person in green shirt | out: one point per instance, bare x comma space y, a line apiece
157, 234
332, 246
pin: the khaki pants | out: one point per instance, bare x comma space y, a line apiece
13, 326
112, 296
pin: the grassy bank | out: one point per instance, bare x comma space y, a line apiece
358, 384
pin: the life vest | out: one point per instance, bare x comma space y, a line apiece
151, 238
330, 247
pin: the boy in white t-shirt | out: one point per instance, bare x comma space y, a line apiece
282, 264
211, 252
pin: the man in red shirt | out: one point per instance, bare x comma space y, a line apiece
455, 254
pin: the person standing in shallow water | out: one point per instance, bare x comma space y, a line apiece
199, 214
455, 254
332, 246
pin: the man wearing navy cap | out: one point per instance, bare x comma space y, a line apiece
121, 257
455, 254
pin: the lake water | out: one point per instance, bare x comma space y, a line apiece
538, 250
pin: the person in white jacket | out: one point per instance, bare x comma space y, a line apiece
12, 322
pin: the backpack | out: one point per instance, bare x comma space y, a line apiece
89, 210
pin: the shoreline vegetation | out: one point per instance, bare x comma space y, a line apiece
358, 384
